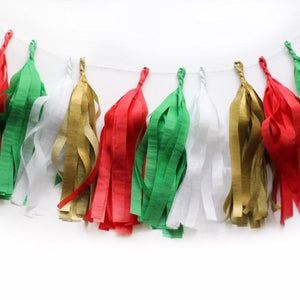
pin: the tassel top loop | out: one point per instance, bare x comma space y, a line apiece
144, 74
9, 34
32, 49
240, 68
180, 75
292, 52
82, 66
202, 75
263, 65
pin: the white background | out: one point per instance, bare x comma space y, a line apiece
45, 258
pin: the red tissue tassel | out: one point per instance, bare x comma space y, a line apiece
281, 136
3, 70
125, 125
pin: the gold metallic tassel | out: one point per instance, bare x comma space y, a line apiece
247, 199
79, 138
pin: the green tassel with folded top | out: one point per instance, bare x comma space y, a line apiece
25, 87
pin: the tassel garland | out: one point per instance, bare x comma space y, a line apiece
174, 172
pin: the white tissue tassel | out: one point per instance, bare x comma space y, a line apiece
36, 175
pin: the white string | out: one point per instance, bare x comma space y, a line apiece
136, 70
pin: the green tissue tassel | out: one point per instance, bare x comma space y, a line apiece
25, 88
162, 149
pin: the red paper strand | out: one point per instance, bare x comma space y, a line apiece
123, 125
